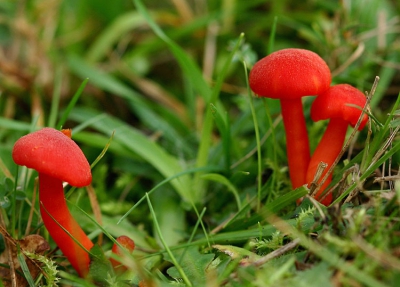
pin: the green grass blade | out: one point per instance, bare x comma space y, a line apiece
140, 106
205, 143
24, 267
369, 171
222, 123
104, 81
223, 180
14, 125
165, 181
13, 205
171, 255
71, 104
257, 134
189, 68
196, 226
273, 144
241, 236
138, 143
376, 143
103, 152
55, 98
271, 41
113, 33
274, 206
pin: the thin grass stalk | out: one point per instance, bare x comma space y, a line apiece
257, 133
71, 104
206, 133
271, 41
166, 247
13, 206
55, 101
188, 171
273, 139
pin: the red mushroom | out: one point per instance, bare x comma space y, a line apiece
336, 104
57, 158
126, 243
288, 75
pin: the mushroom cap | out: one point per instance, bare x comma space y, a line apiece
51, 152
338, 102
289, 74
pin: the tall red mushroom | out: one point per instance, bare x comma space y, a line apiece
288, 75
338, 105
58, 158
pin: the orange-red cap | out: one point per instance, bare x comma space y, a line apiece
51, 152
289, 74
339, 102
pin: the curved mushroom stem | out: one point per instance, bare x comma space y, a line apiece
298, 149
54, 211
327, 151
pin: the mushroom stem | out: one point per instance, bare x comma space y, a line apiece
327, 151
53, 202
297, 145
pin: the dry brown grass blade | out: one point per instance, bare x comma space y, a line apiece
5, 170
353, 57
209, 55
384, 147
10, 260
382, 29
314, 184
387, 178
278, 252
33, 243
184, 10
155, 92
94, 203
37, 108
377, 255
210, 50
32, 204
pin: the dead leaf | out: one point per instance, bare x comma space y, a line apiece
32, 243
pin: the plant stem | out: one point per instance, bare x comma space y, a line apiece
173, 259
257, 134
57, 219
327, 151
297, 144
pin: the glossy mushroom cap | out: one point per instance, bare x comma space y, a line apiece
289, 74
339, 102
51, 152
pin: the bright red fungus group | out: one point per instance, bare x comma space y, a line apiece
290, 74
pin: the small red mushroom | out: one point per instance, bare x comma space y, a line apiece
58, 158
288, 75
126, 243
336, 104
